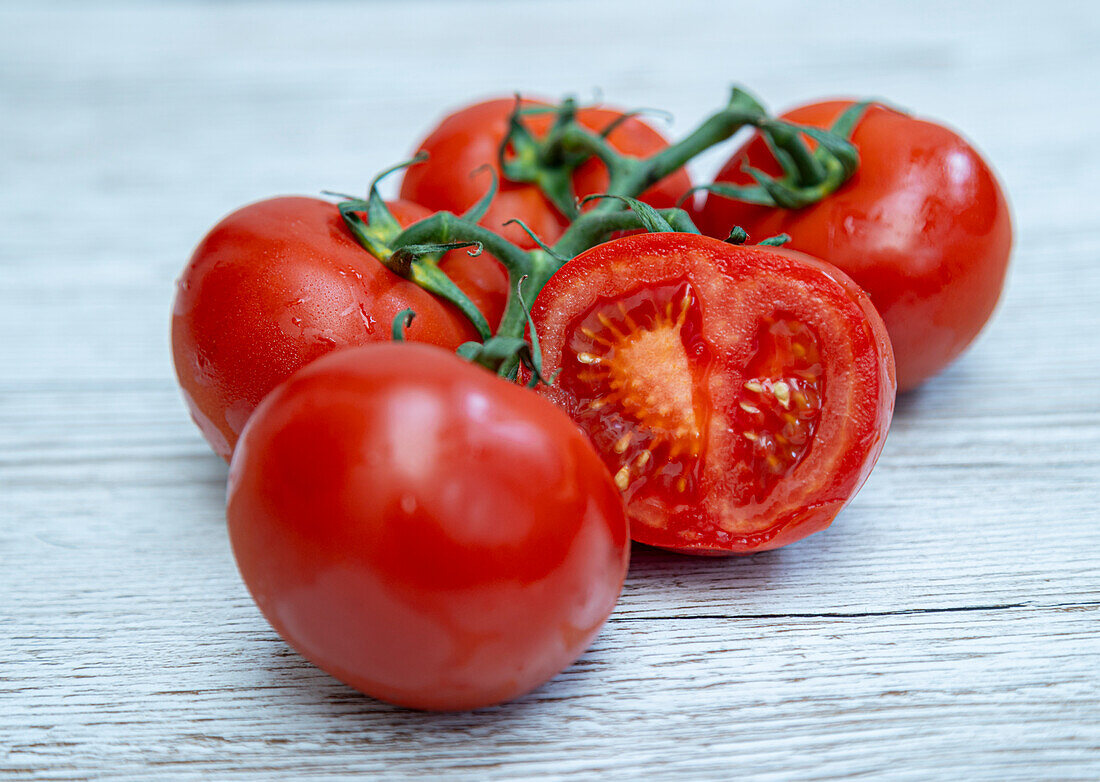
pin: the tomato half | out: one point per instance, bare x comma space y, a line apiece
923, 227
281, 282
422, 530
469, 139
739, 395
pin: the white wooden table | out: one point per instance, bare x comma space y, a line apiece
946, 626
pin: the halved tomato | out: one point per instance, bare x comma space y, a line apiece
739, 395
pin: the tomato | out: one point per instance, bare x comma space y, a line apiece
281, 282
422, 530
739, 395
923, 227
470, 138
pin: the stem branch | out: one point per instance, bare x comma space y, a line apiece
447, 227
595, 226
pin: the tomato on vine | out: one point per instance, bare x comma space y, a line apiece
427, 533
739, 395
283, 281
922, 225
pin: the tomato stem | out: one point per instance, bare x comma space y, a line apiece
522, 290
594, 227
536, 265
743, 109
401, 322
523, 158
793, 154
448, 227
808, 176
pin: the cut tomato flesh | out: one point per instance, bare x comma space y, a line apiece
738, 395
634, 365
638, 367
780, 401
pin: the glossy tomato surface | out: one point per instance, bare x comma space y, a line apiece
923, 227
739, 395
281, 282
470, 138
425, 532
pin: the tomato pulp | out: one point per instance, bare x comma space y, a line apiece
922, 226
739, 395
422, 530
469, 139
281, 282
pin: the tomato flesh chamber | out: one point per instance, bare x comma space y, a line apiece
638, 369
780, 402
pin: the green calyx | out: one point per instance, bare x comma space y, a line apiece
542, 162
652, 220
375, 228
401, 323
808, 176
370, 220
739, 236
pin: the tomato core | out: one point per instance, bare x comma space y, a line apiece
636, 365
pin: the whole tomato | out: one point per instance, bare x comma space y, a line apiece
922, 226
422, 530
470, 138
739, 395
281, 282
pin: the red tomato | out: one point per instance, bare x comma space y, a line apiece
420, 529
739, 395
923, 227
280, 282
470, 138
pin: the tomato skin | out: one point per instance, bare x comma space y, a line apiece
281, 282
469, 138
425, 532
923, 227
737, 288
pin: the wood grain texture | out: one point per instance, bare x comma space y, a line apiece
946, 626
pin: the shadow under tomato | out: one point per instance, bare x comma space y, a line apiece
961, 386
301, 687
667, 573
208, 483
909, 403
805, 577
